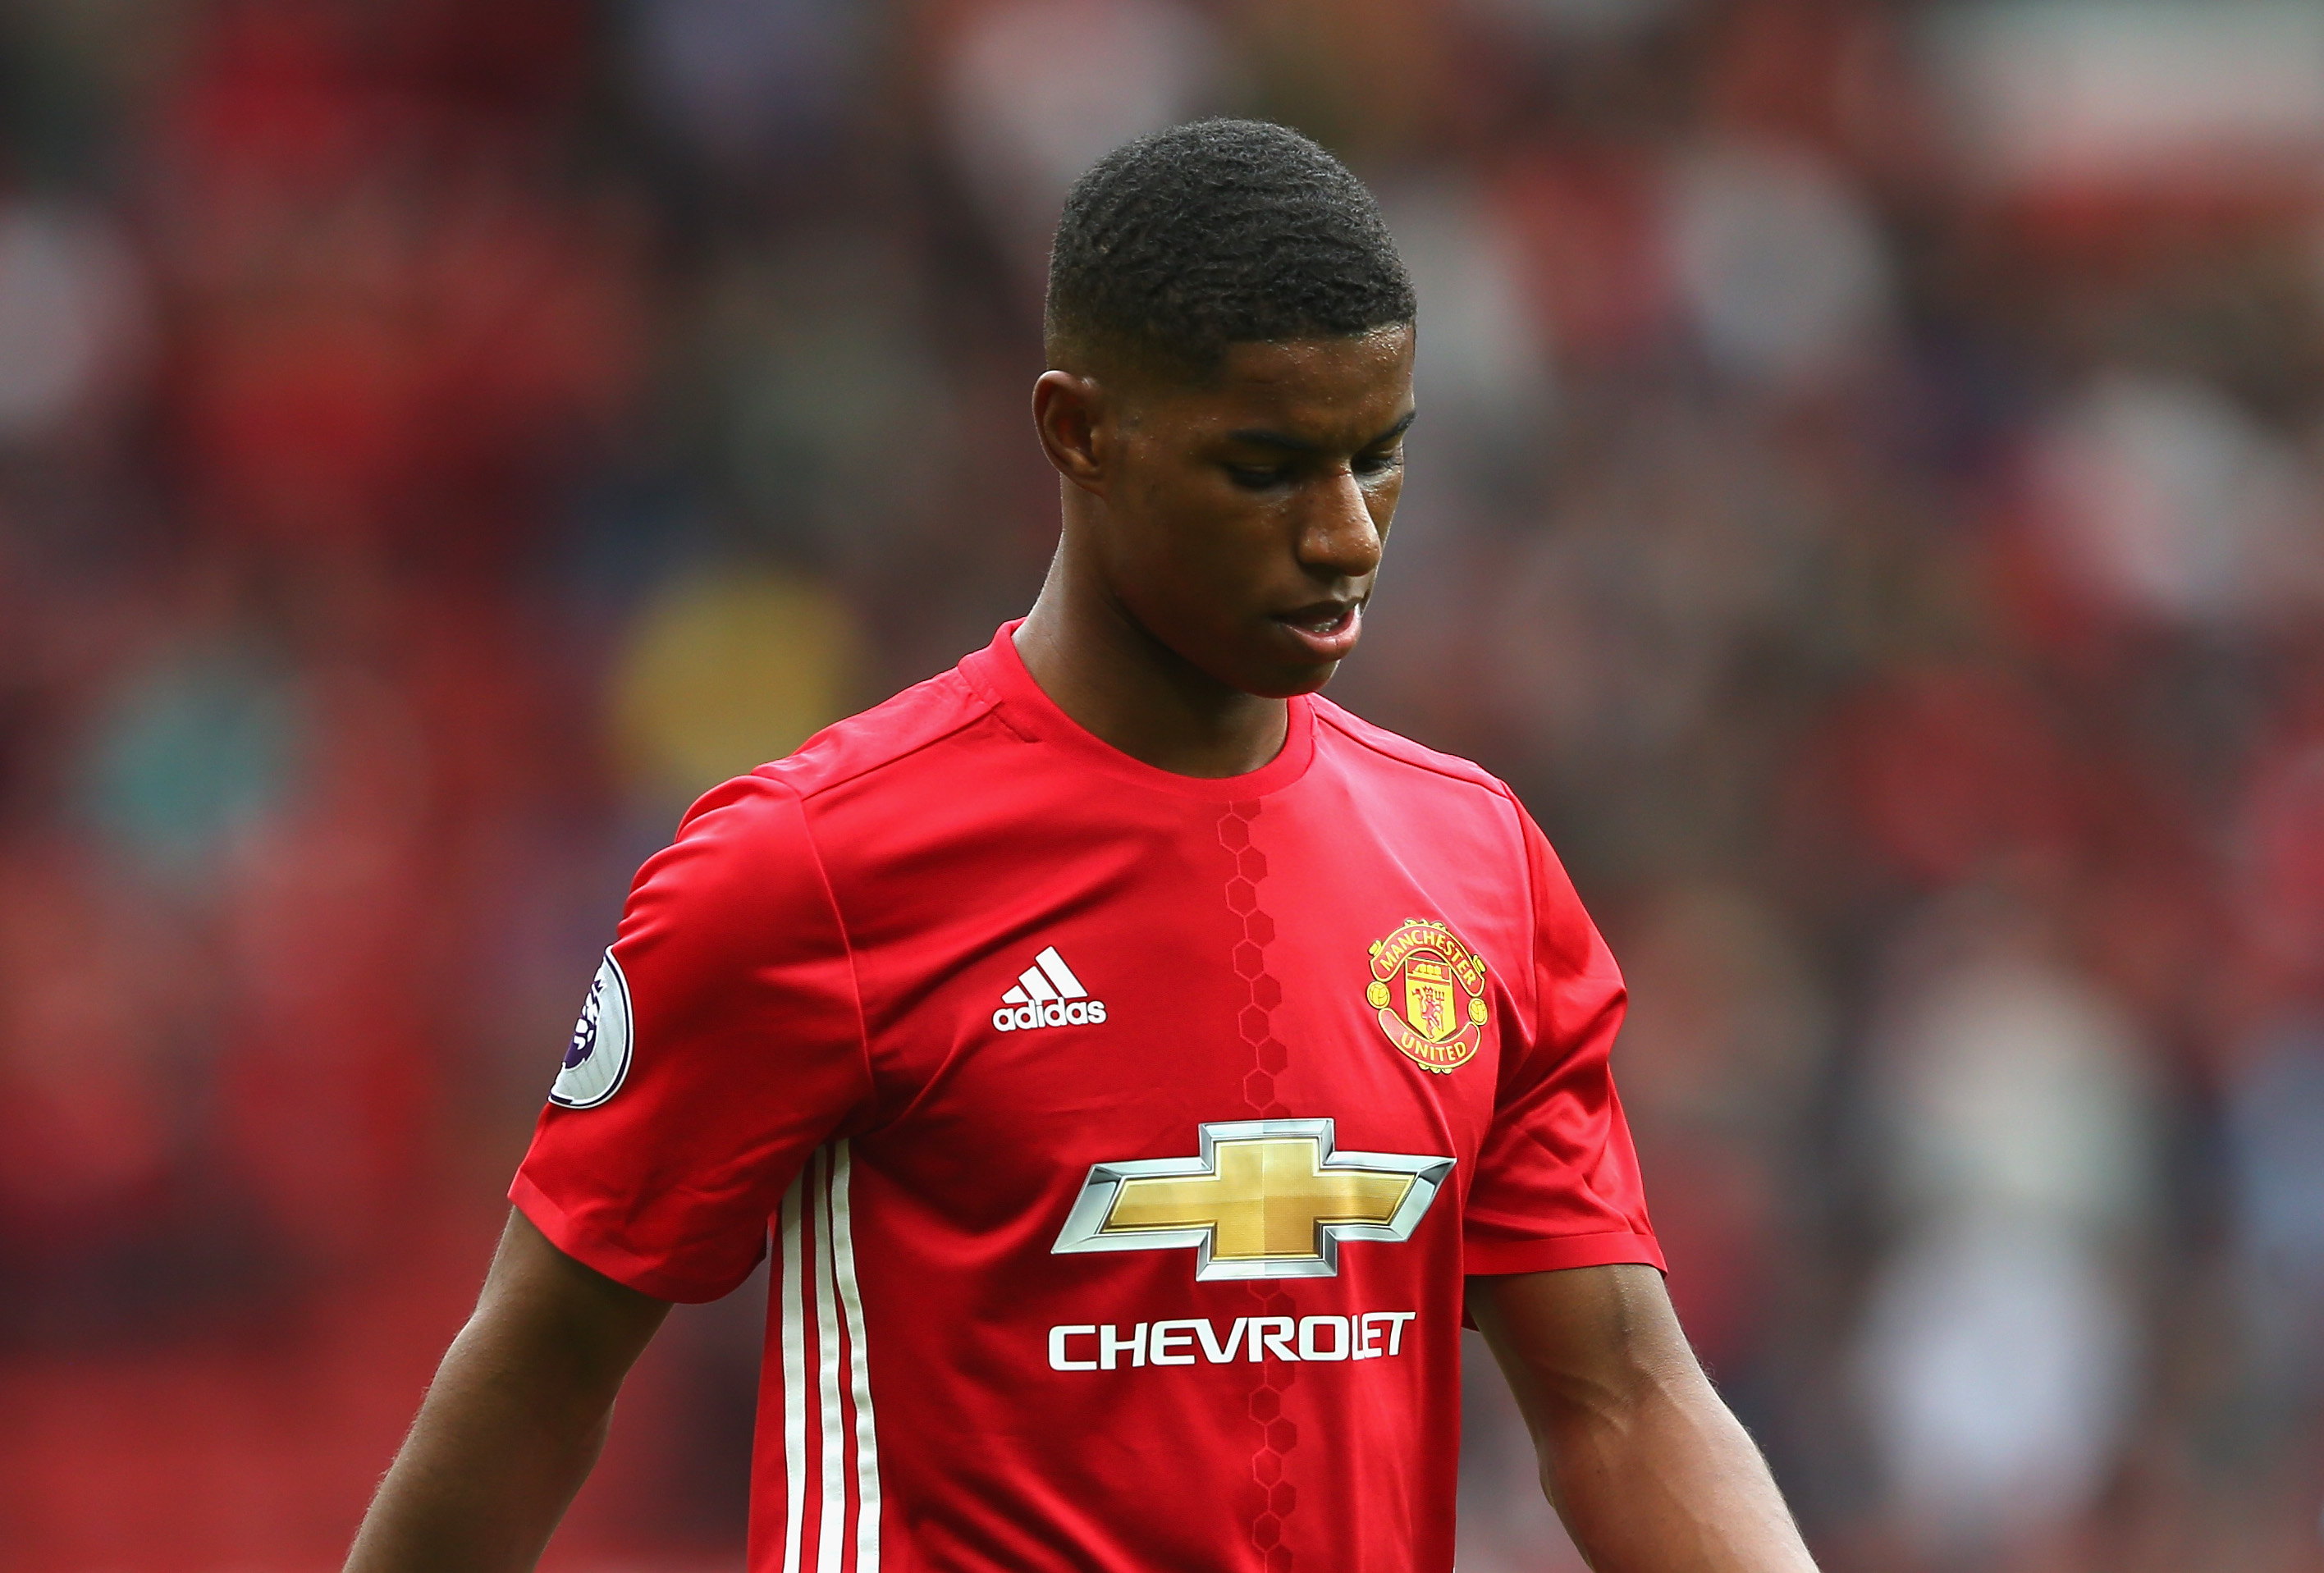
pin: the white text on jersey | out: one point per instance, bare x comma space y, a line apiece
1046, 994
1370, 1335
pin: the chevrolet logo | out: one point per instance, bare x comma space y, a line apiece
1266, 1199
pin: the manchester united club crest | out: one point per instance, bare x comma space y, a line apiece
1429, 990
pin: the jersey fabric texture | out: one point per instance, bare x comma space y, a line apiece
1123, 1139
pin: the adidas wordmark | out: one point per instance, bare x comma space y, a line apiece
1047, 994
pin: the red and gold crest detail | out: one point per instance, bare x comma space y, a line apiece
1429, 991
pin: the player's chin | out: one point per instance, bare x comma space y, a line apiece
1286, 669
1288, 683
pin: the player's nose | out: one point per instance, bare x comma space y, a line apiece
1339, 536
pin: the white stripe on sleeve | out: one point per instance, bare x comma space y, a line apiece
867, 1439
790, 1284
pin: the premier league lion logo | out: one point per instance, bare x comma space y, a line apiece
597, 1058
1428, 989
584, 1031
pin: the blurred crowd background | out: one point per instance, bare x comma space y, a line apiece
1868, 501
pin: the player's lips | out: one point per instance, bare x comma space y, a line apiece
1328, 629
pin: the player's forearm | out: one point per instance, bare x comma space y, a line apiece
1664, 1478
1646, 1467
488, 1469
514, 1421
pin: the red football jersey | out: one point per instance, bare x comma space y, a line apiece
1123, 1137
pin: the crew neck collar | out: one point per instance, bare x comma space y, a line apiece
999, 672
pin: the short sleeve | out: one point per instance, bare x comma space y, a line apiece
740, 1050
1557, 1182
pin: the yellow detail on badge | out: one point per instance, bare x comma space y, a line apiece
1265, 1199
1443, 1022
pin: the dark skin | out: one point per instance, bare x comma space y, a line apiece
515, 1417
1204, 522
1220, 535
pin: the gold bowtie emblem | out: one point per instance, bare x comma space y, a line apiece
1266, 1198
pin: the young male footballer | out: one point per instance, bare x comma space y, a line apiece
1136, 1065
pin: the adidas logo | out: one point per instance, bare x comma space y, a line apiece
1046, 994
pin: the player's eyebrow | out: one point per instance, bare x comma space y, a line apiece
1260, 437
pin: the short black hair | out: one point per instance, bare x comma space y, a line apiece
1217, 233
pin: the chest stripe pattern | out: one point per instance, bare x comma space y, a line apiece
817, 1286
1271, 1498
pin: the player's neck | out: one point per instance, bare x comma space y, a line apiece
1128, 689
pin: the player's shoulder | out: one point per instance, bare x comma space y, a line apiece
897, 734
771, 801
1414, 766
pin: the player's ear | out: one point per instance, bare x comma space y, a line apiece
1069, 414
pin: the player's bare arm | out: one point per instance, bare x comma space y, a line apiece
513, 1419
1647, 1467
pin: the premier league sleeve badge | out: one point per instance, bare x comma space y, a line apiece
598, 1057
